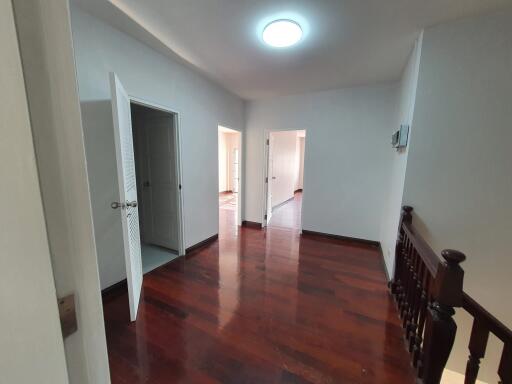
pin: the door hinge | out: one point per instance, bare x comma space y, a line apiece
67, 314
268, 141
266, 179
265, 217
179, 187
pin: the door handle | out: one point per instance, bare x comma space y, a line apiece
132, 204
116, 205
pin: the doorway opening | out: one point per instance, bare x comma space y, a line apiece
155, 155
284, 179
230, 168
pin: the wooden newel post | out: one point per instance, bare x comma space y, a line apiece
440, 328
397, 281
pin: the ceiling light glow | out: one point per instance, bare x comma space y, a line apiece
282, 33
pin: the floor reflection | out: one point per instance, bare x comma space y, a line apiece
288, 215
229, 259
261, 306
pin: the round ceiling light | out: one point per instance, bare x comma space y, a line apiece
282, 33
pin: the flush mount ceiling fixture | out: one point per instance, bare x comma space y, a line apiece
282, 33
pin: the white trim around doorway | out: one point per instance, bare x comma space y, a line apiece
179, 168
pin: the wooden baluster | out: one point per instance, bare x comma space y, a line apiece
408, 281
396, 283
440, 327
413, 321
505, 368
477, 346
417, 353
413, 282
403, 276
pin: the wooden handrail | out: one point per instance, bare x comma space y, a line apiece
431, 260
426, 288
495, 326
483, 324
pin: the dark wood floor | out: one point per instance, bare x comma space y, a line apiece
261, 306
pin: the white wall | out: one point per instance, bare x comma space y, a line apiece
284, 166
459, 178
148, 75
404, 115
347, 156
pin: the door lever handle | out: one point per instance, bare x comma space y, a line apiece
132, 204
116, 205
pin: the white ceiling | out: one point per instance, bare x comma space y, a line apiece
346, 43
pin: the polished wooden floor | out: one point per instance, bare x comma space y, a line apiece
261, 306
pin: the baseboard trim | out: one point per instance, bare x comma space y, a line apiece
251, 224
115, 289
373, 243
201, 244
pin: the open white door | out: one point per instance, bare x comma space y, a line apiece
127, 191
236, 175
269, 178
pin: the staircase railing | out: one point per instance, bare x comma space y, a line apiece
426, 289
483, 324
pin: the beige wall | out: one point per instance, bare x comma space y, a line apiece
459, 177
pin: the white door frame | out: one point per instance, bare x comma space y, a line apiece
240, 178
266, 182
240, 168
178, 151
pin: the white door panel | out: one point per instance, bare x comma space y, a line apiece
236, 176
270, 167
162, 176
127, 191
31, 345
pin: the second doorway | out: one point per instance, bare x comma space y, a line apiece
155, 149
229, 179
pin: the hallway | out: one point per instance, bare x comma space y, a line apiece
261, 306
227, 213
288, 215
